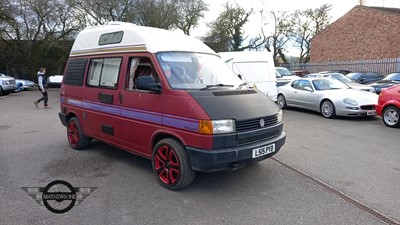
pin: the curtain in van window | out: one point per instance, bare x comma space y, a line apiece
95, 72
133, 65
104, 72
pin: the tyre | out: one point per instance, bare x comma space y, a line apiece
171, 165
76, 138
1, 91
390, 116
281, 101
328, 109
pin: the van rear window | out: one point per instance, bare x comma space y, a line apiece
75, 72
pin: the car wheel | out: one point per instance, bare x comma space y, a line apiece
1, 91
328, 109
281, 101
390, 116
76, 138
171, 165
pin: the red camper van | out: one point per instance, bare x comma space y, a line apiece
167, 97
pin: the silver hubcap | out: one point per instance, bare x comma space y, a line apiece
281, 101
391, 117
327, 109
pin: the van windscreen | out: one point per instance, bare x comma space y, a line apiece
188, 70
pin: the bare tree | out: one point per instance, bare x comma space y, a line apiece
165, 14
282, 26
157, 13
309, 23
95, 12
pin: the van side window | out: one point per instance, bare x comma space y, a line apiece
139, 66
75, 72
104, 72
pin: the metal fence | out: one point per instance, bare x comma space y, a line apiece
381, 66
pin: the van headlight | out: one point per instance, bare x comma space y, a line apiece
216, 126
280, 116
349, 101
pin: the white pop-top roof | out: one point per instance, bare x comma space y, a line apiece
135, 38
246, 56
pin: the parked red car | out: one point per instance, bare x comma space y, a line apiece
389, 106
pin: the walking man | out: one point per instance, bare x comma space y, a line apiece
42, 89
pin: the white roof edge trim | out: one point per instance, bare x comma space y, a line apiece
153, 39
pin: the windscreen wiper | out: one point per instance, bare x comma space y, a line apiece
240, 86
216, 85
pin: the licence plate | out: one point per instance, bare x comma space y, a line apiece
371, 113
263, 150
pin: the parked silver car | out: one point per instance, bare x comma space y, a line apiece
7, 84
284, 76
23, 84
328, 96
344, 79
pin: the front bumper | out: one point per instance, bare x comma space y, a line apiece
356, 113
230, 158
379, 109
9, 88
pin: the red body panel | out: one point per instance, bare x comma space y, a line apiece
388, 97
137, 117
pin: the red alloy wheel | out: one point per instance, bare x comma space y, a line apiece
167, 165
73, 134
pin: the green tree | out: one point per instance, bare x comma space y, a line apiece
189, 14
29, 29
226, 32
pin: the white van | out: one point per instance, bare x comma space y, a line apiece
255, 68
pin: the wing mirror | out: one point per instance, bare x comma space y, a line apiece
147, 83
308, 89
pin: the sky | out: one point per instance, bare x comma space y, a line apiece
339, 8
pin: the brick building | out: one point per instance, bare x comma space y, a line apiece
363, 33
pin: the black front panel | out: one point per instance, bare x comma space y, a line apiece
239, 105
255, 115
75, 72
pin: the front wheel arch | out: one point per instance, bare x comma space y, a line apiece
281, 101
171, 164
327, 109
393, 121
75, 135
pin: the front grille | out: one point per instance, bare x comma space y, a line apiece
367, 107
253, 124
263, 136
12, 81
